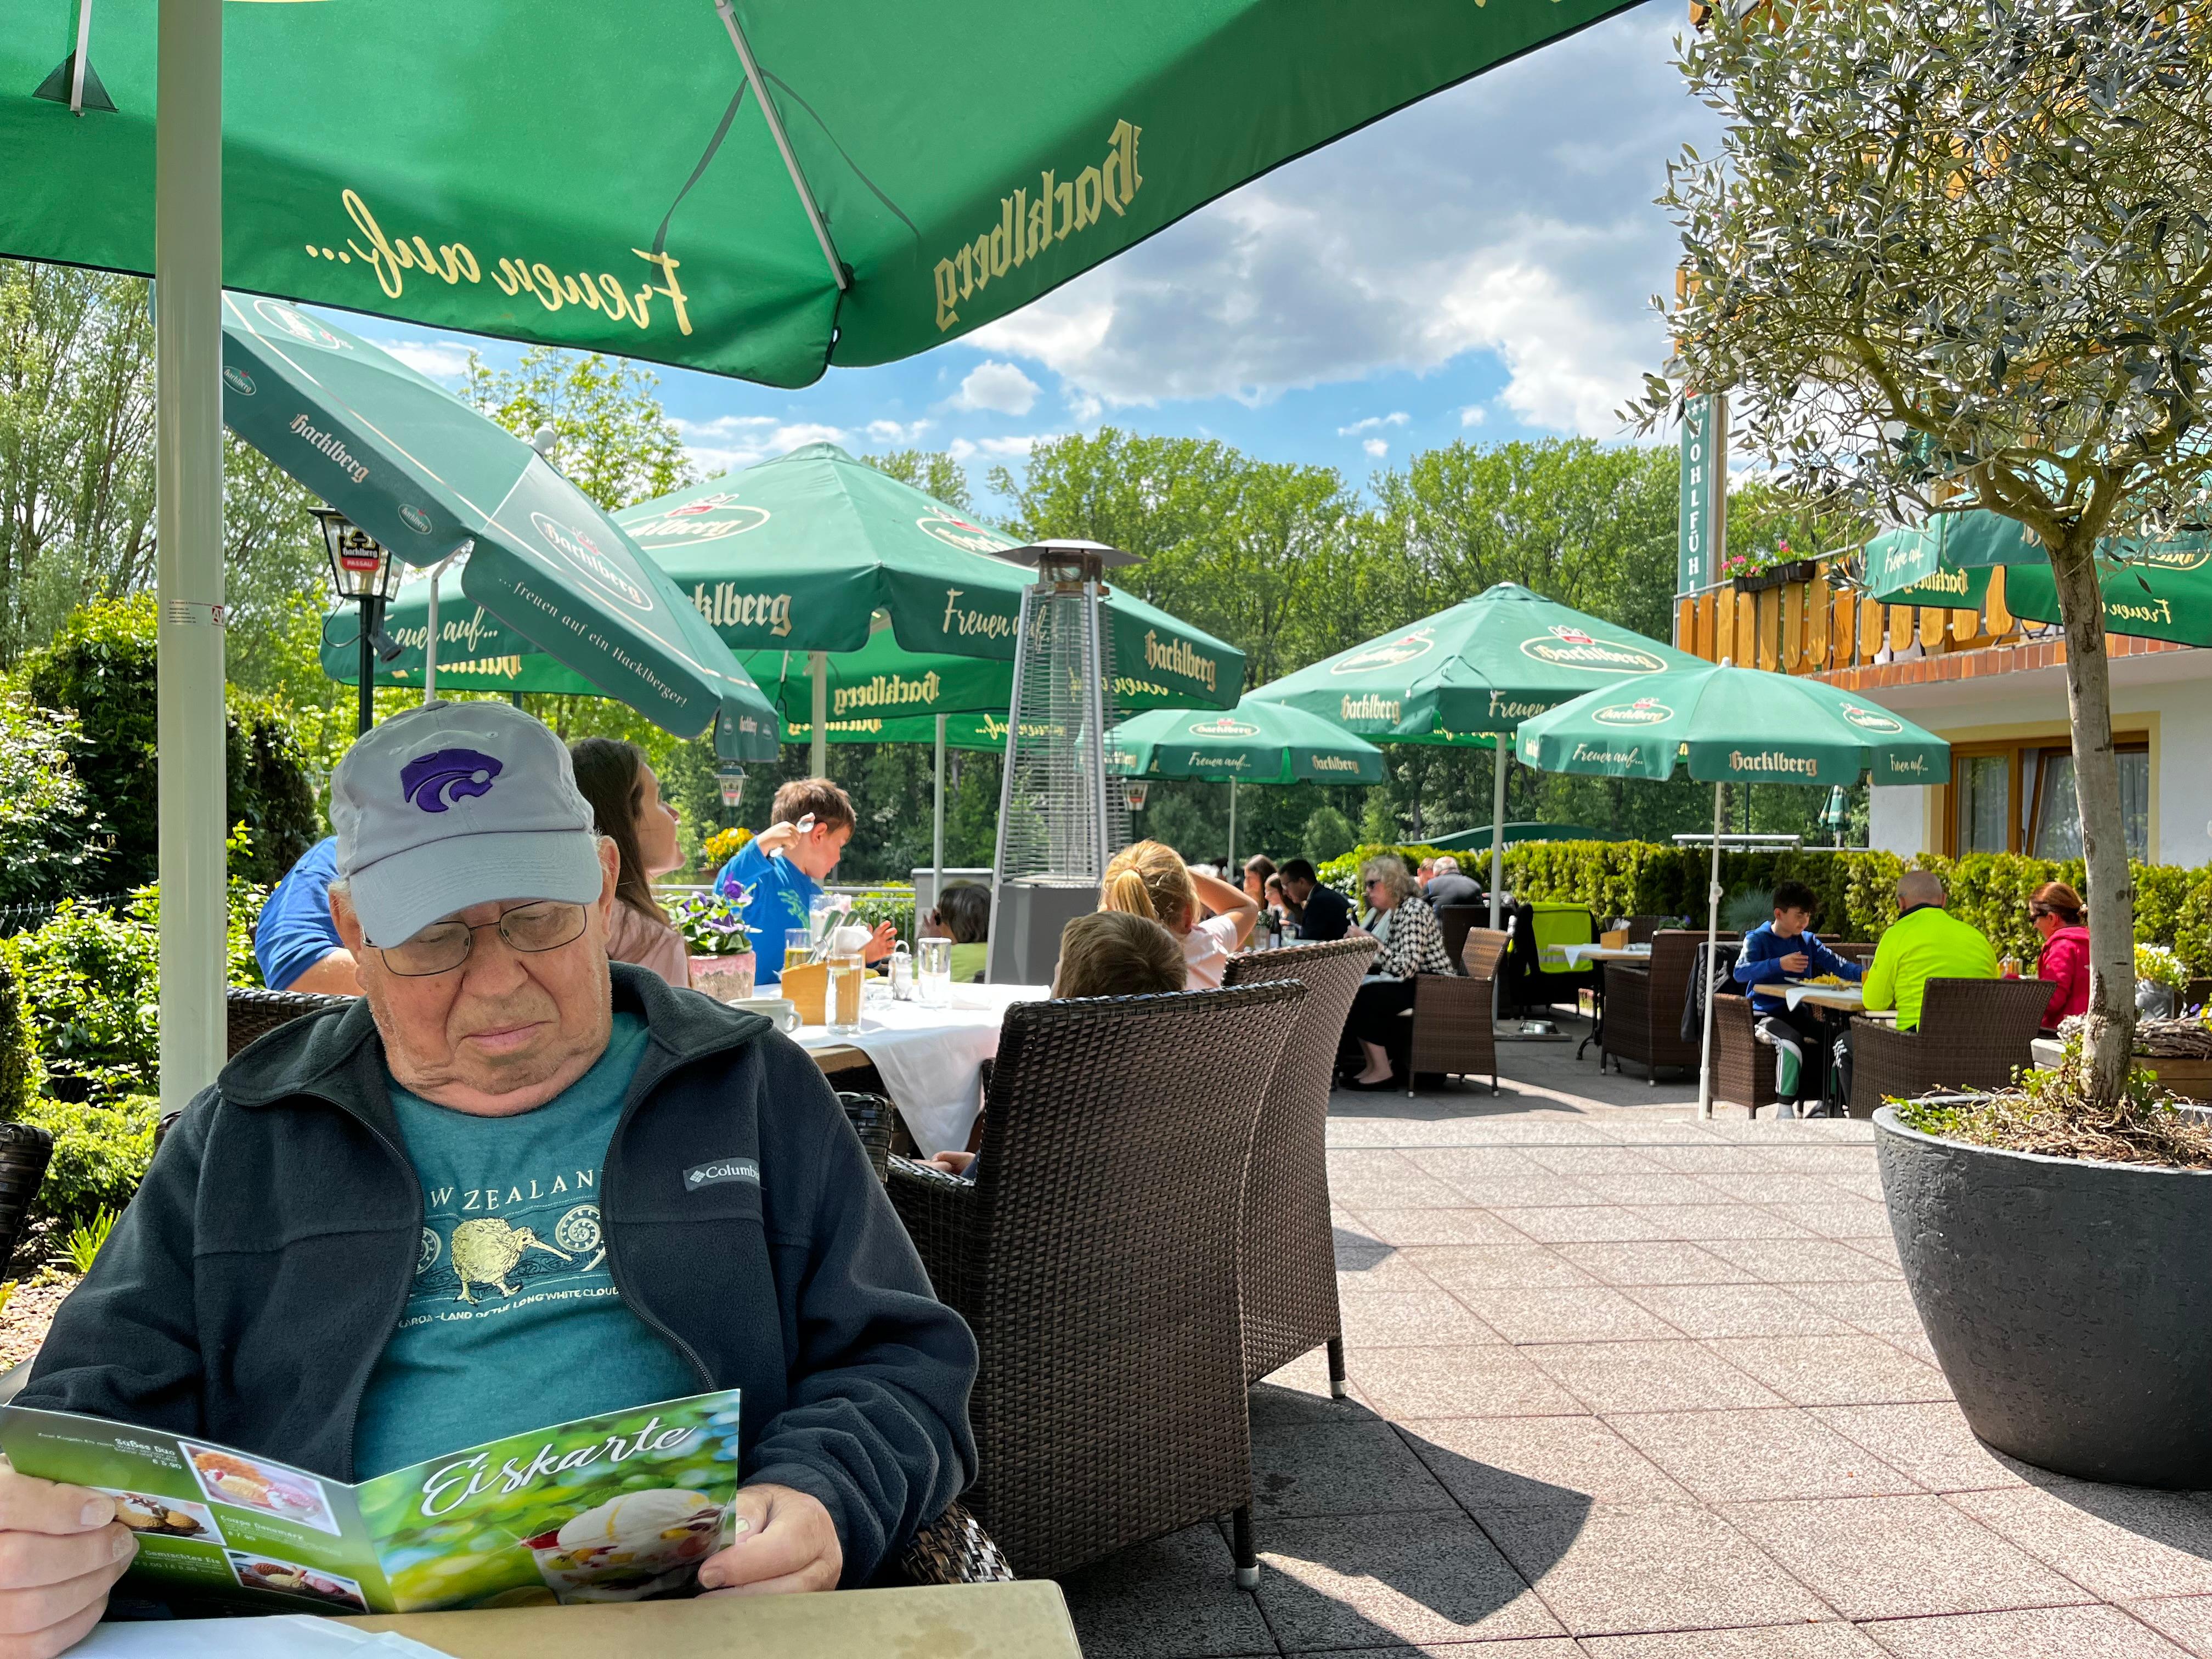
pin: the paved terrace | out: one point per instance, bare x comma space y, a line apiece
1625, 1386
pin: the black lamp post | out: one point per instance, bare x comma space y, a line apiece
363, 570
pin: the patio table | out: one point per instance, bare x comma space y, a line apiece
1836, 1004
1575, 956
1021, 1620
931, 1059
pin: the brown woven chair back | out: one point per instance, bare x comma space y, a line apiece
1096, 1260
1990, 1024
1454, 921
254, 1013
1483, 950
1641, 928
1289, 1249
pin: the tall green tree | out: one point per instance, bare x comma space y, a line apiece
612, 440
932, 471
1958, 254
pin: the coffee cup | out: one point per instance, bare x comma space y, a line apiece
780, 1012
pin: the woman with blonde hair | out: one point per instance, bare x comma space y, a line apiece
1148, 879
1400, 918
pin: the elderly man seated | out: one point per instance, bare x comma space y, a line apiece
265, 1288
1925, 942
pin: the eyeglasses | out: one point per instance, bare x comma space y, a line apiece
445, 945
2038, 909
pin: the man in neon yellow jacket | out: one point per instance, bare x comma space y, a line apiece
1927, 942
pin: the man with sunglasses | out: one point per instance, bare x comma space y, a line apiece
685, 1206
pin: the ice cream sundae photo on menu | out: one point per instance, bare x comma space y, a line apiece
227, 1477
638, 1545
289, 1578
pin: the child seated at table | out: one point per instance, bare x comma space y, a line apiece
962, 915
1108, 953
1784, 950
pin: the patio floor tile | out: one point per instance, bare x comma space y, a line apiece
1299, 1393
1495, 1266
1626, 1568
1175, 1595
1841, 1217
1359, 1468
1660, 1187
1802, 1261
1823, 1641
1381, 1179
1579, 1161
1370, 1581
1930, 1442
1775, 1187
1410, 1319
1494, 1463
1743, 1455
2185, 1620
1678, 1376
1654, 1262
1403, 1227
1493, 1381
1834, 1370
1390, 1272
1879, 1305
1700, 1222
2093, 1633
1576, 1224
1735, 1310
1579, 1314
1899, 1558
1726, 1158
2118, 1541
1523, 1647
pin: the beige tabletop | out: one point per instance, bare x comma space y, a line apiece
1024, 1620
1831, 996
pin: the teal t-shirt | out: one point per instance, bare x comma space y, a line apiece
514, 1322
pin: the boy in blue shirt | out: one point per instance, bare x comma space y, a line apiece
294, 939
1784, 949
784, 866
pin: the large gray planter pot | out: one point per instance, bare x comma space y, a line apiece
2069, 1302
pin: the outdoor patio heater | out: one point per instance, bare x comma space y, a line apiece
1061, 817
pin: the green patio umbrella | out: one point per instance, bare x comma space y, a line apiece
1466, 675
1253, 743
1732, 724
444, 488
609, 178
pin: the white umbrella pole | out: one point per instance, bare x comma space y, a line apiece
430, 635
937, 822
1712, 949
817, 758
1498, 835
1230, 872
190, 776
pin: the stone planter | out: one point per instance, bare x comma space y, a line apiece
726, 978
2069, 1302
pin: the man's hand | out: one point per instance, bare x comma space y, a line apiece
785, 1541
1796, 962
60, 1548
880, 943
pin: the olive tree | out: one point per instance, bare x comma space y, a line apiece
1958, 254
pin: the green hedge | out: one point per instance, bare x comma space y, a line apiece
18, 1049
100, 1155
1856, 889
1343, 873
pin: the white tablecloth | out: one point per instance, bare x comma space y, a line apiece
931, 1059
1576, 954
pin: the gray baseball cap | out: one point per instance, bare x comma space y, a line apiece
453, 804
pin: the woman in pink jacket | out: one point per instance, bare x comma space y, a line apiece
2055, 910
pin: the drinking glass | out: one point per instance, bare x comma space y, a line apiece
841, 1001
933, 967
797, 947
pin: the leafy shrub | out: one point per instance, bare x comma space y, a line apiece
1327, 836
100, 1155
894, 906
1343, 873
19, 1047
81, 1244
89, 981
51, 844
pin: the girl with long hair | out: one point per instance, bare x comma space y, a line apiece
625, 797
1148, 879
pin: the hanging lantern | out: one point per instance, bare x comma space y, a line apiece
1133, 794
732, 777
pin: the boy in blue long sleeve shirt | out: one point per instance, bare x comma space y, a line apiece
783, 868
1784, 950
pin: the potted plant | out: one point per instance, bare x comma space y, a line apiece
719, 944
2059, 1251
2160, 978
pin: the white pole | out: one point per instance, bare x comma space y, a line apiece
817, 758
1498, 834
190, 780
1230, 873
936, 820
1712, 949
430, 636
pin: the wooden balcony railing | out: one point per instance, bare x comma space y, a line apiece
1813, 624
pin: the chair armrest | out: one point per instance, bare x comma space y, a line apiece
954, 1549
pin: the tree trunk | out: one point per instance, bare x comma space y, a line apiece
2110, 1037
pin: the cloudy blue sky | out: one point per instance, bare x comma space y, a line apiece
1480, 266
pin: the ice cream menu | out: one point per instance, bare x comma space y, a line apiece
618, 1508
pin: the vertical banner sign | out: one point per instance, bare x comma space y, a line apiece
1695, 553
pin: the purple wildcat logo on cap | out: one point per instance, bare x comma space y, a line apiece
435, 782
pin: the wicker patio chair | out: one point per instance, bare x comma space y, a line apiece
1095, 1257
1743, 1067
1644, 1004
254, 1013
1454, 921
1973, 1034
25, 1151
1289, 1254
1453, 1022
1641, 928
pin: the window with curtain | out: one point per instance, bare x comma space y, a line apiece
2058, 809
1984, 792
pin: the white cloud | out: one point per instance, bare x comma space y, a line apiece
1511, 215
1374, 423
1376, 447
730, 442
433, 358
1474, 414
1084, 407
965, 449
891, 432
999, 387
